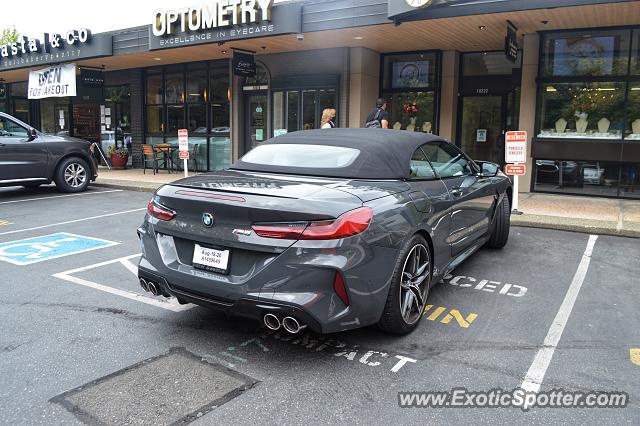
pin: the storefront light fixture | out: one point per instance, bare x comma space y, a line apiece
551, 89
224, 52
482, 27
358, 38
605, 89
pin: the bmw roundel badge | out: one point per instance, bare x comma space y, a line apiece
207, 220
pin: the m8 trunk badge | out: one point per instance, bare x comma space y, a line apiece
242, 231
208, 220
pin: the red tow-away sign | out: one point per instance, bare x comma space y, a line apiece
515, 169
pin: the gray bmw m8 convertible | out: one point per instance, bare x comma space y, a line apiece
327, 229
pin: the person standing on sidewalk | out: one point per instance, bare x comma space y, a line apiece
328, 115
378, 118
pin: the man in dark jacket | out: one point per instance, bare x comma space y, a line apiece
378, 118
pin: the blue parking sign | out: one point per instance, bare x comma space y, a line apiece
39, 249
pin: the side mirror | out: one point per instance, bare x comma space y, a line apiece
32, 134
488, 169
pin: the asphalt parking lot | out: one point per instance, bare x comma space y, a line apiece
81, 341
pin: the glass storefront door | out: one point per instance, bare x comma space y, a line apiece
256, 118
86, 122
489, 104
482, 127
301, 109
484, 121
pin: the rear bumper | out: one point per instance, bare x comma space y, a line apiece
254, 308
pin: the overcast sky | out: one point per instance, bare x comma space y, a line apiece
34, 17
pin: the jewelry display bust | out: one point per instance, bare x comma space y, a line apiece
561, 125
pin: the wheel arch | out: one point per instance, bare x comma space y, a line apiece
59, 161
425, 234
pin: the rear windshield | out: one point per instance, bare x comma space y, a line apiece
301, 155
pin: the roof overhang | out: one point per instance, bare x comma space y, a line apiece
402, 11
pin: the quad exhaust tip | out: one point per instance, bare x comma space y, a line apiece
153, 288
150, 286
143, 284
292, 325
271, 321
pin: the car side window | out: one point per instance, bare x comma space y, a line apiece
9, 128
447, 160
419, 166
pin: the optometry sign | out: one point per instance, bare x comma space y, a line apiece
55, 81
222, 20
54, 47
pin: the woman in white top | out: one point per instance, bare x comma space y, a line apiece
328, 115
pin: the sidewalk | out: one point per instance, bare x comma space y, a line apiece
135, 179
602, 216
605, 216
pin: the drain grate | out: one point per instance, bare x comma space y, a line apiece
174, 388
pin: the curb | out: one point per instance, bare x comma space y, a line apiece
574, 225
143, 187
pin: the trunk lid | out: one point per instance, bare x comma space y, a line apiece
236, 200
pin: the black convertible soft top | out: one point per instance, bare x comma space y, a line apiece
384, 153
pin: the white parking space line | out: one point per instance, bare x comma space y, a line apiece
170, 304
538, 369
130, 266
72, 221
59, 196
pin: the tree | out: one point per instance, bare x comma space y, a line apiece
8, 35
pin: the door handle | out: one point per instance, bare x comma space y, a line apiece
456, 192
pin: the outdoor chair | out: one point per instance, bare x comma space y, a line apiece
149, 155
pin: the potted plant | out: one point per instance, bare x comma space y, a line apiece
119, 157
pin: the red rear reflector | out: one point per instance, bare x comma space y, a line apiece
159, 211
340, 289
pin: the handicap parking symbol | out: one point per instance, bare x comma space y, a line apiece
39, 249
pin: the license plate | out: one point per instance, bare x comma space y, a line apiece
210, 259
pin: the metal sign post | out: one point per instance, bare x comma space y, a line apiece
515, 152
183, 148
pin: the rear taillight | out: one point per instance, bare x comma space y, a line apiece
340, 289
285, 231
159, 211
349, 224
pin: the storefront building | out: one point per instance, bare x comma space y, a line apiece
566, 71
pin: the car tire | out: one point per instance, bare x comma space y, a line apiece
393, 320
72, 175
501, 225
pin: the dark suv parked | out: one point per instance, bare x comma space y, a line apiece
31, 158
